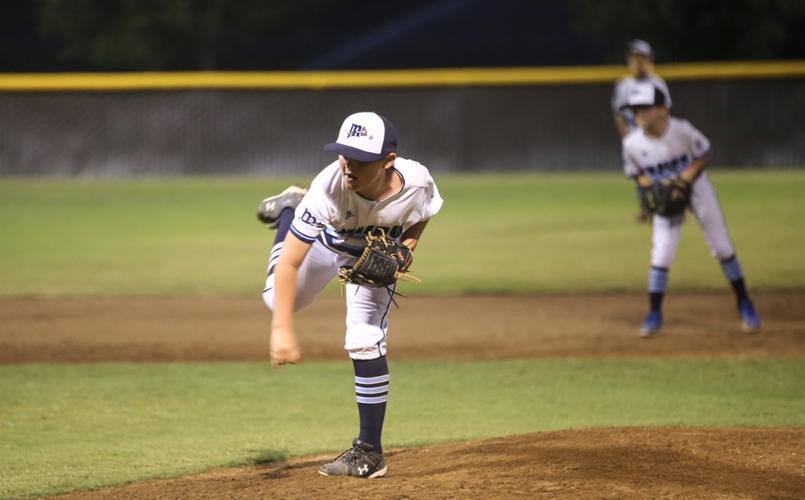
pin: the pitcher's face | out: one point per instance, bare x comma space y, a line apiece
359, 175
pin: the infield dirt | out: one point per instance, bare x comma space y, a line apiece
634, 463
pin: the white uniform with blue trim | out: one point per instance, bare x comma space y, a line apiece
336, 221
667, 157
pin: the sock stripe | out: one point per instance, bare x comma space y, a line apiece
372, 390
732, 268
382, 389
373, 400
372, 380
657, 280
274, 257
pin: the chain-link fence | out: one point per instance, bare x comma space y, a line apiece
754, 123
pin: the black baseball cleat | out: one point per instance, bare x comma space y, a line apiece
359, 461
269, 210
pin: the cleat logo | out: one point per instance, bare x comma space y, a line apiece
363, 469
356, 131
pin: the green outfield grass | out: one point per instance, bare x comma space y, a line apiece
66, 427
496, 233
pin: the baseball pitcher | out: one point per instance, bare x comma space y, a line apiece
360, 221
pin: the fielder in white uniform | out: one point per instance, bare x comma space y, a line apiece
669, 147
640, 60
324, 228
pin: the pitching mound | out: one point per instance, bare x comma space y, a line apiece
636, 463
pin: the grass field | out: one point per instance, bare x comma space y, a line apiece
508, 233
68, 427
64, 427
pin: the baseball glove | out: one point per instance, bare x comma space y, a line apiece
382, 262
667, 198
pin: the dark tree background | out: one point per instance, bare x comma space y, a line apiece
262, 35
698, 30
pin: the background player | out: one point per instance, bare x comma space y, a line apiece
668, 147
640, 60
367, 188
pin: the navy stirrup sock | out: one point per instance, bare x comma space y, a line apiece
734, 273
283, 226
657, 283
371, 392
655, 301
739, 287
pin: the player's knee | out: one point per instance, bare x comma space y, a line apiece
367, 353
724, 253
662, 261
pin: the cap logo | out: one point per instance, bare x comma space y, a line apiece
356, 130
365, 137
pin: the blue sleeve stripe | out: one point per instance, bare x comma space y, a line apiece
303, 237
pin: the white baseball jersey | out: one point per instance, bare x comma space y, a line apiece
335, 221
620, 95
667, 157
341, 218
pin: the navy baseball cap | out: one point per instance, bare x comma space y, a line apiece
641, 47
365, 137
645, 94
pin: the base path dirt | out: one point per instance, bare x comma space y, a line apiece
607, 463
446, 328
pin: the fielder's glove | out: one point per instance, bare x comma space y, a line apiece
383, 262
667, 198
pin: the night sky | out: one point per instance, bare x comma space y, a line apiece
413, 34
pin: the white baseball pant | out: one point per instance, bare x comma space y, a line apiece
707, 210
367, 308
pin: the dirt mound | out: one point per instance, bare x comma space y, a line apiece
617, 463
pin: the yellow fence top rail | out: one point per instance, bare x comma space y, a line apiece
57, 82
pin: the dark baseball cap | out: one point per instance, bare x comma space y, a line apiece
365, 137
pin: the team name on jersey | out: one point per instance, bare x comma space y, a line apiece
310, 219
669, 168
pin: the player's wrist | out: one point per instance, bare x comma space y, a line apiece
285, 331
